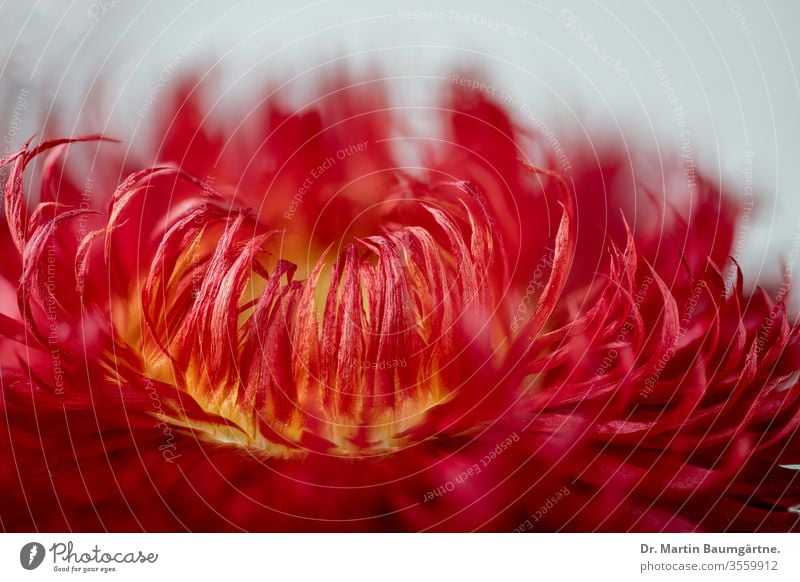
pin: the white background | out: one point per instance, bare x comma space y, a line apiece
731, 64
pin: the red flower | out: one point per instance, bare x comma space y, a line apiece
280, 327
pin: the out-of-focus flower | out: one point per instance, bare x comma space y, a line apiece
279, 327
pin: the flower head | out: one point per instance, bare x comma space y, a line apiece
282, 327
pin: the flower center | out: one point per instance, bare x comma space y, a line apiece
347, 360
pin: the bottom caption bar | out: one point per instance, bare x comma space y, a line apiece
414, 557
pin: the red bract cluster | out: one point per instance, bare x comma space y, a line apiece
280, 327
